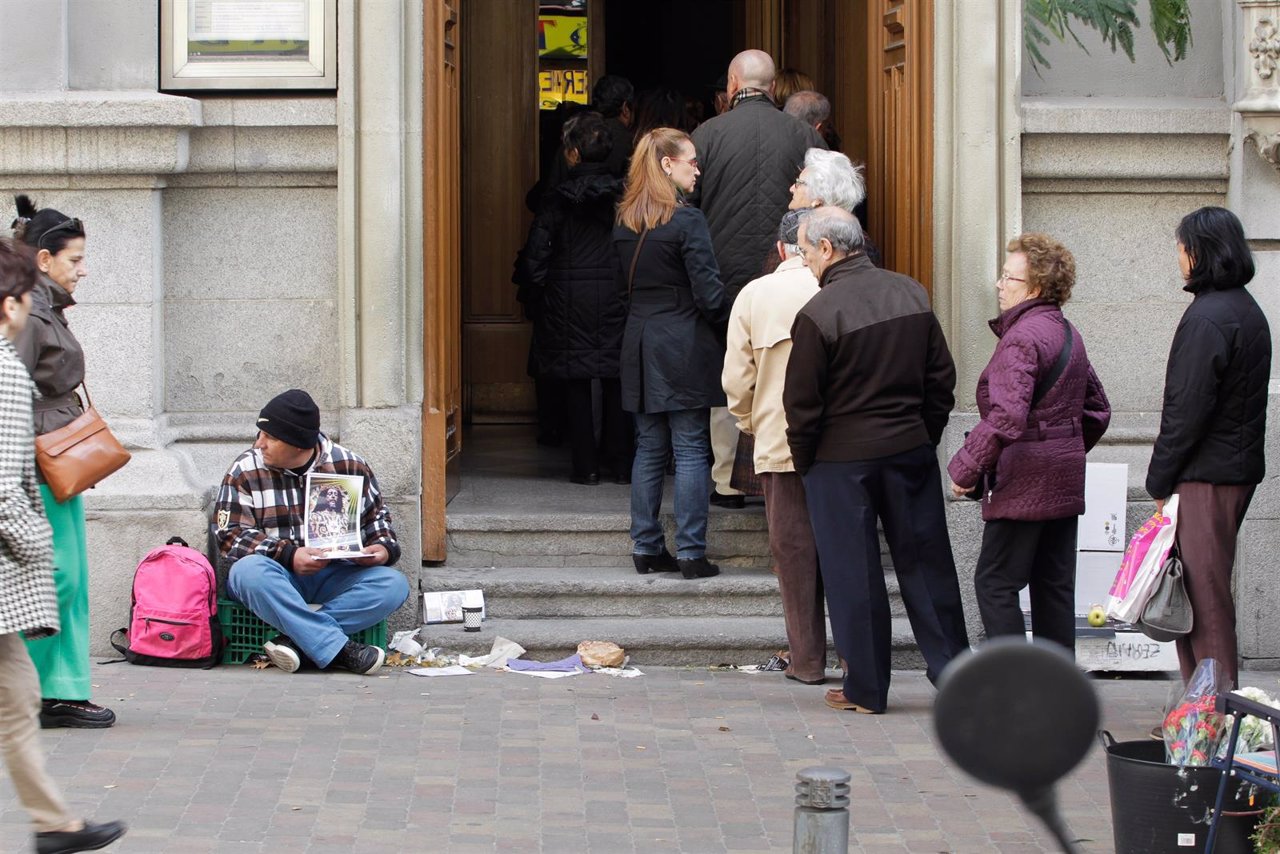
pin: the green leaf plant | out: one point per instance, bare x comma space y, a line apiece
1043, 21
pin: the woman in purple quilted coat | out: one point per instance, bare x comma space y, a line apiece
1040, 415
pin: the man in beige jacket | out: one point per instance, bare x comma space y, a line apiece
755, 366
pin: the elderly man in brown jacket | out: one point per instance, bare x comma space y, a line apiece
870, 385
755, 367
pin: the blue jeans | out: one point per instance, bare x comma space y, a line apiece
352, 598
688, 432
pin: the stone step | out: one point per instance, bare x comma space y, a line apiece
584, 539
697, 641
614, 591
734, 538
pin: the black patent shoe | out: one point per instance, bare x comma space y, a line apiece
76, 714
646, 564
698, 567
592, 479
90, 838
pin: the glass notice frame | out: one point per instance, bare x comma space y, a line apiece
302, 56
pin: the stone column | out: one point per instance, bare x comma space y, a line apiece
380, 290
976, 206
1253, 194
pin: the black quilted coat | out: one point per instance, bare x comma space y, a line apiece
570, 266
749, 158
1213, 427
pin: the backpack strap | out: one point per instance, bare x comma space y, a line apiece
635, 259
123, 649
1049, 380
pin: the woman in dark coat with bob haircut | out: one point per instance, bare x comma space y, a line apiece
1210, 450
672, 350
1027, 454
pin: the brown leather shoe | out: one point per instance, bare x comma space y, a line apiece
835, 699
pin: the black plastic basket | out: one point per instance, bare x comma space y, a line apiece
1158, 808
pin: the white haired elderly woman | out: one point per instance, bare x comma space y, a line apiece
830, 178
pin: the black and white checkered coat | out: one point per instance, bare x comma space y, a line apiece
28, 601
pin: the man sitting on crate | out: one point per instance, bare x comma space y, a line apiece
259, 521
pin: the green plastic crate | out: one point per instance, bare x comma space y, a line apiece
245, 633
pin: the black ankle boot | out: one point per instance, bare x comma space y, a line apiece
646, 564
698, 567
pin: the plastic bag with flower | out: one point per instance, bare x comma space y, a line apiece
1255, 734
1193, 728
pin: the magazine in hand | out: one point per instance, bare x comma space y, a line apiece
332, 518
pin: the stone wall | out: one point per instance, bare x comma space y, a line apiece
224, 250
1113, 155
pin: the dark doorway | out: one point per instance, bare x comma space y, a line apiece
670, 44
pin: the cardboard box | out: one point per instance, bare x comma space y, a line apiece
1094, 573
1106, 490
1125, 652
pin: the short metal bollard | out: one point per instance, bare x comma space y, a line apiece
822, 812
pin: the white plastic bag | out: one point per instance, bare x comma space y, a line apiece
1127, 606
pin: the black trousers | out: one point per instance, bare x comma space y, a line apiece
1016, 554
617, 435
903, 492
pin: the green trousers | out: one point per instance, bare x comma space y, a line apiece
63, 660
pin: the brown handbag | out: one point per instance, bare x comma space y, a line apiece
80, 455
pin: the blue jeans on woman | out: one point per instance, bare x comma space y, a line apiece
688, 433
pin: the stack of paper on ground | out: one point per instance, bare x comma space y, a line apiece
504, 655
570, 666
445, 606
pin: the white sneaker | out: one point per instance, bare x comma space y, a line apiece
283, 653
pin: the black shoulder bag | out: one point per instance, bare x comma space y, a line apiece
987, 479
635, 259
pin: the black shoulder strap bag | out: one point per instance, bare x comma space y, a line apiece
635, 259
987, 480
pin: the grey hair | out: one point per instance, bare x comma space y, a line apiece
789, 228
833, 179
839, 227
808, 106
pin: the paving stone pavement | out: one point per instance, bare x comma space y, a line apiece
693, 761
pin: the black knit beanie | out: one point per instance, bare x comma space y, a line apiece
293, 418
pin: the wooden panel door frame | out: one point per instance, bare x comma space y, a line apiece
900, 134
442, 251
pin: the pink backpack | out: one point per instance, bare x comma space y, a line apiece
174, 618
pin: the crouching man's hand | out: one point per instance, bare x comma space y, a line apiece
307, 561
375, 555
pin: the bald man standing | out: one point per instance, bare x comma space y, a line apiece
749, 157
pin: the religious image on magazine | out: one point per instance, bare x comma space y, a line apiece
333, 514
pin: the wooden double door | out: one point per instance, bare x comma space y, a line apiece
872, 58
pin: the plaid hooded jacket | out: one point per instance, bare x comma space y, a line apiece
260, 509
28, 601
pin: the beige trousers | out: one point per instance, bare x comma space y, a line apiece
724, 446
20, 738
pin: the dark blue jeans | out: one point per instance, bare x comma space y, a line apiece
688, 433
